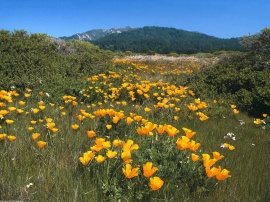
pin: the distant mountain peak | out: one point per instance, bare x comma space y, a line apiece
95, 34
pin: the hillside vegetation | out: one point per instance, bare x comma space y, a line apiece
42, 62
164, 40
242, 77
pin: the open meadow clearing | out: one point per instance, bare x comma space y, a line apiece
132, 133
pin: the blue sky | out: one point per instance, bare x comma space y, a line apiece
220, 18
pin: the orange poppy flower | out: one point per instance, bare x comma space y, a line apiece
41, 144
148, 169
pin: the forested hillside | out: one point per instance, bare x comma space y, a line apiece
165, 40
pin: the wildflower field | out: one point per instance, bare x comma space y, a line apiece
132, 133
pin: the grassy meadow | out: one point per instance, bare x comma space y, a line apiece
132, 133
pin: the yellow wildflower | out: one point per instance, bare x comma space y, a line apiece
54, 130
146, 109
217, 156
3, 136
91, 133
156, 183
26, 95
9, 121
41, 144
235, 111
30, 128
80, 117
117, 142
129, 120
11, 109
129, 146
160, 129
194, 157
11, 138
35, 136
111, 154
182, 143
115, 119
35, 110
87, 156
224, 174
33, 122
41, 107
50, 125
21, 102
148, 169
19, 111
189, 133
257, 121
130, 172
108, 126
75, 126
100, 158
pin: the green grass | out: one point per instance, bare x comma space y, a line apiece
248, 162
57, 174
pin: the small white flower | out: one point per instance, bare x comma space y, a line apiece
253, 144
222, 146
29, 185
241, 122
47, 94
230, 134
12, 87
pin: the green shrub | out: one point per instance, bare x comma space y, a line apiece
239, 78
49, 64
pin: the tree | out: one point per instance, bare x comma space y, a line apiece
258, 44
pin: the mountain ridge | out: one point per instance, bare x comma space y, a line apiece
162, 40
105, 32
